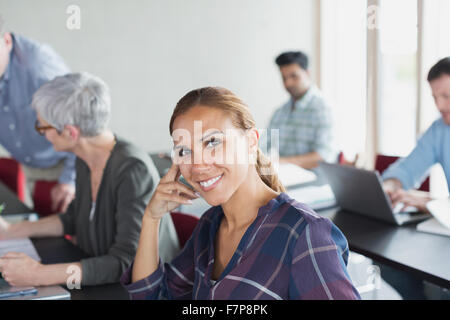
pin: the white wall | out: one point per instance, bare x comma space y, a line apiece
151, 52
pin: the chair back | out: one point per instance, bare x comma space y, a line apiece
42, 197
382, 162
184, 225
13, 176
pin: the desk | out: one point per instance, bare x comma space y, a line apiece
60, 250
423, 255
427, 256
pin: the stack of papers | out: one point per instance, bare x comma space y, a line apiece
291, 175
440, 223
315, 197
22, 245
433, 226
6, 291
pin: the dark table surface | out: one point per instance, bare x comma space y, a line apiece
425, 255
60, 250
12, 204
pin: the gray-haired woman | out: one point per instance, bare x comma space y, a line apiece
114, 183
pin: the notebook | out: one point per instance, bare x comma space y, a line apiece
316, 197
23, 245
291, 175
6, 291
433, 226
440, 209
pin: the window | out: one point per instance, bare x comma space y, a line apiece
435, 46
343, 55
397, 69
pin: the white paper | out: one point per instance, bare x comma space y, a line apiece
314, 196
433, 226
291, 174
440, 209
22, 245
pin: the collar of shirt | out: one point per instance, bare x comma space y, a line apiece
5, 77
268, 208
305, 100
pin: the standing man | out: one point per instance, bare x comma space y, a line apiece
24, 66
305, 121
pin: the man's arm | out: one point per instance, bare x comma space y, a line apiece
410, 171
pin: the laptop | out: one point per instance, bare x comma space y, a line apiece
361, 191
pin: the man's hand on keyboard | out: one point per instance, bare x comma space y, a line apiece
411, 198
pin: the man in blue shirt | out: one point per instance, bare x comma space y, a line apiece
24, 66
407, 173
433, 147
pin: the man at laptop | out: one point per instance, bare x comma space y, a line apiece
433, 147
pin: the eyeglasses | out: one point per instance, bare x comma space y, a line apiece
41, 129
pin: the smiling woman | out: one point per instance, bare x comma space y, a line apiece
255, 242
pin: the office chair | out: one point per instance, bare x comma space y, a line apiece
42, 197
382, 162
184, 225
13, 176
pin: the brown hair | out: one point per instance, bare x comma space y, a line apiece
225, 100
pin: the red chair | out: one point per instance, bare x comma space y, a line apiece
382, 162
12, 175
184, 225
42, 197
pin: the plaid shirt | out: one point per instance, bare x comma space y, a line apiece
288, 252
305, 128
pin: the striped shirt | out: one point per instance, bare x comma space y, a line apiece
288, 252
304, 128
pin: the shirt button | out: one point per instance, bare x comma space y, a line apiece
12, 126
27, 159
18, 144
6, 108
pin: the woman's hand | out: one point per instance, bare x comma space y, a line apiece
18, 269
169, 194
